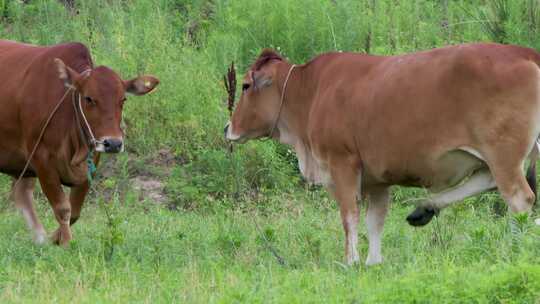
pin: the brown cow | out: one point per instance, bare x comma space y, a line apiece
34, 80
457, 121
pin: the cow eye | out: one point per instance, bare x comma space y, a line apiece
245, 86
89, 100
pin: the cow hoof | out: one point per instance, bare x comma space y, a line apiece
372, 261
40, 238
61, 237
55, 237
353, 261
421, 216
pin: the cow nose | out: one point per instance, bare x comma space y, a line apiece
225, 130
112, 145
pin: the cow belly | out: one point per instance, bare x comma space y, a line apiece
453, 167
12, 163
439, 174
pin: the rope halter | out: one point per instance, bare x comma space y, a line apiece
281, 100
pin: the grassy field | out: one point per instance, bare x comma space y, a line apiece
150, 254
179, 219
147, 253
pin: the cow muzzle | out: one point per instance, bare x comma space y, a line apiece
229, 135
110, 145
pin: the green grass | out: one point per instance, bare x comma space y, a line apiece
213, 238
161, 256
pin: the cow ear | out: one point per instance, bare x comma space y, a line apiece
141, 85
65, 73
261, 80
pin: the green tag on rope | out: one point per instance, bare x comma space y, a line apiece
91, 165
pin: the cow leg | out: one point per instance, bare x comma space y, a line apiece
76, 198
78, 194
52, 187
513, 187
378, 200
480, 181
23, 195
344, 187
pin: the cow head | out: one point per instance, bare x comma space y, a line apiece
103, 94
258, 108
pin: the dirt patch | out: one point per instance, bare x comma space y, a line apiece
159, 165
146, 176
149, 179
165, 158
149, 188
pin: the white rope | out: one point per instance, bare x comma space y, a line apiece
93, 140
282, 100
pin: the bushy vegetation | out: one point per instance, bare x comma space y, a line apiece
242, 226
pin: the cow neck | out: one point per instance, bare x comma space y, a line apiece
298, 96
294, 122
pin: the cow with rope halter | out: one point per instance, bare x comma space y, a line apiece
456, 121
59, 112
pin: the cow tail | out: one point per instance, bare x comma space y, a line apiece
531, 178
531, 171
